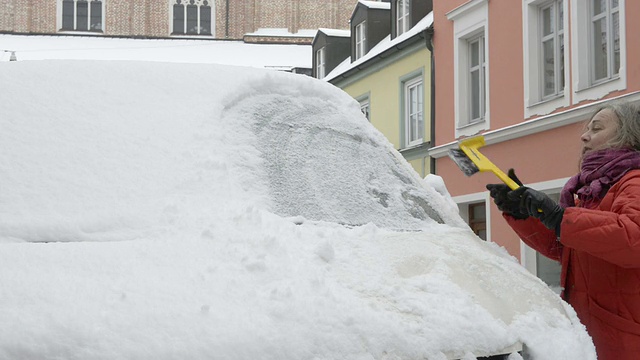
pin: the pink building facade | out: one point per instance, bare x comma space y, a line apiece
526, 75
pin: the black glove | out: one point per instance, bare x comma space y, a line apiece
539, 205
499, 194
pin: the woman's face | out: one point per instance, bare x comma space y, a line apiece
601, 129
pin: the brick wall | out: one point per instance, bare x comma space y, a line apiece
117, 17
43, 16
152, 18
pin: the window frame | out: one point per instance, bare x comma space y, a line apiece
365, 107
535, 103
464, 202
480, 68
469, 21
403, 14
606, 15
407, 87
360, 39
557, 38
60, 22
321, 62
584, 86
478, 224
198, 4
529, 257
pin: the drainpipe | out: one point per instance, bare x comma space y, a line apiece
432, 140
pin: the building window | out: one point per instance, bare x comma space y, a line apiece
366, 108
320, 63
598, 59
478, 219
545, 61
82, 15
471, 67
403, 11
544, 268
552, 45
361, 40
549, 271
476, 77
192, 17
605, 35
413, 112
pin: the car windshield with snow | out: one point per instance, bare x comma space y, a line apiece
180, 211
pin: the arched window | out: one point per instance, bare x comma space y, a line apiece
82, 15
192, 17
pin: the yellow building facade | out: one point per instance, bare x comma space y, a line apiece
383, 85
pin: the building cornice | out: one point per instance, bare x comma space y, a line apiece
537, 125
464, 8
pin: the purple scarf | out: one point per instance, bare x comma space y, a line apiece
600, 170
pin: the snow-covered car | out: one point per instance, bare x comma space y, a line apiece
178, 211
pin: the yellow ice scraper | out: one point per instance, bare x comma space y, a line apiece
470, 160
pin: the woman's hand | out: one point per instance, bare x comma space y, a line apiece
539, 205
499, 193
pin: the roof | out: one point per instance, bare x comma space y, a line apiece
335, 32
331, 33
375, 4
381, 47
224, 52
282, 32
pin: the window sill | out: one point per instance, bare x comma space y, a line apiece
81, 32
548, 105
184, 36
472, 129
546, 101
415, 150
598, 84
601, 89
470, 124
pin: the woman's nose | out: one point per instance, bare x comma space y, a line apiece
584, 137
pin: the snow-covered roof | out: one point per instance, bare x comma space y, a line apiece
379, 48
39, 47
282, 32
335, 32
375, 4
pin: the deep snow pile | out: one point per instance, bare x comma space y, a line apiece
144, 214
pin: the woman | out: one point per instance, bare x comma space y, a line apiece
594, 231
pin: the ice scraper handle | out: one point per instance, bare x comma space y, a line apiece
485, 164
505, 178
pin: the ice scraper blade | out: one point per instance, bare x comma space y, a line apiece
470, 160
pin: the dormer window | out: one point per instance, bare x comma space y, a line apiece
361, 40
82, 15
320, 63
192, 17
402, 18
371, 22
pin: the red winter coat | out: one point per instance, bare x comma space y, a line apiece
599, 250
